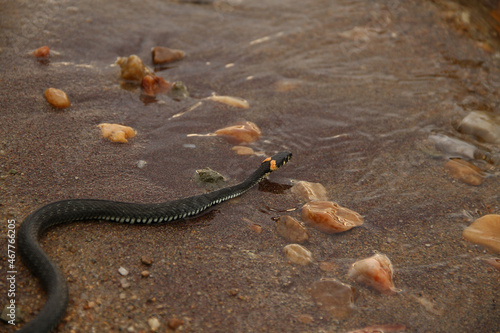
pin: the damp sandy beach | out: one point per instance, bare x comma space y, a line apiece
363, 93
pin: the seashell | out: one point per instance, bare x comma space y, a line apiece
483, 125
42, 52
329, 217
375, 271
291, 230
246, 132
464, 171
152, 85
334, 297
117, 133
298, 254
309, 191
57, 98
485, 231
162, 55
229, 100
132, 68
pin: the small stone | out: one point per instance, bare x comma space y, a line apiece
298, 254
116, 132
231, 101
242, 150
375, 271
329, 217
483, 125
464, 171
208, 175
145, 274
152, 85
485, 231
256, 228
154, 324
174, 323
124, 283
57, 98
123, 271
141, 164
396, 328
452, 146
132, 68
246, 132
178, 91
42, 52
309, 191
305, 318
10, 312
291, 230
163, 55
334, 297
146, 261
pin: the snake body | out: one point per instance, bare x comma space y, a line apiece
67, 211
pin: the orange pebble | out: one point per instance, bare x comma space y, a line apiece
42, 52
246, 132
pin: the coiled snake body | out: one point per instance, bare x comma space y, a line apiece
66, 211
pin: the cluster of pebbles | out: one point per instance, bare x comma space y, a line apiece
333, 296
471, 154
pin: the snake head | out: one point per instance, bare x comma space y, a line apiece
278, 160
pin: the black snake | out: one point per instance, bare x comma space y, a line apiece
66, 211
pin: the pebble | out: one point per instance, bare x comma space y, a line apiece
334, 297
123, 271
178, 91
132, 68
298, 254
154, 324
10, 314
495, 262
146, 261
485, 231
162, 55
464, 171
141, 164
174, 323
309, 191
291, 230
242, 150
152, 85
483, 125
145, 274
229, 100
329, 217
42, 52
57, 98
124, 283
117, 133
246, 132
452, 146
375, 272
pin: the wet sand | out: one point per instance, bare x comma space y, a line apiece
355, 124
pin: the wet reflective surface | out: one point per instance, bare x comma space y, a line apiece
354, 89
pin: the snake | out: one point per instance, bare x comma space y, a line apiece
65, 211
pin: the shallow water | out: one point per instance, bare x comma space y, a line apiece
352, 88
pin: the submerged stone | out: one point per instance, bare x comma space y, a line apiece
230, 100
464, 171
291, 230
330, 217
309, 191
453, 146
42, 52
246, 132
334, 297
162, 55
375, 272
298, 254
485, 231
483, 125
152, 85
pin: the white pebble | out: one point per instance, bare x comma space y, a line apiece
154, 323
123, 271
298, 254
